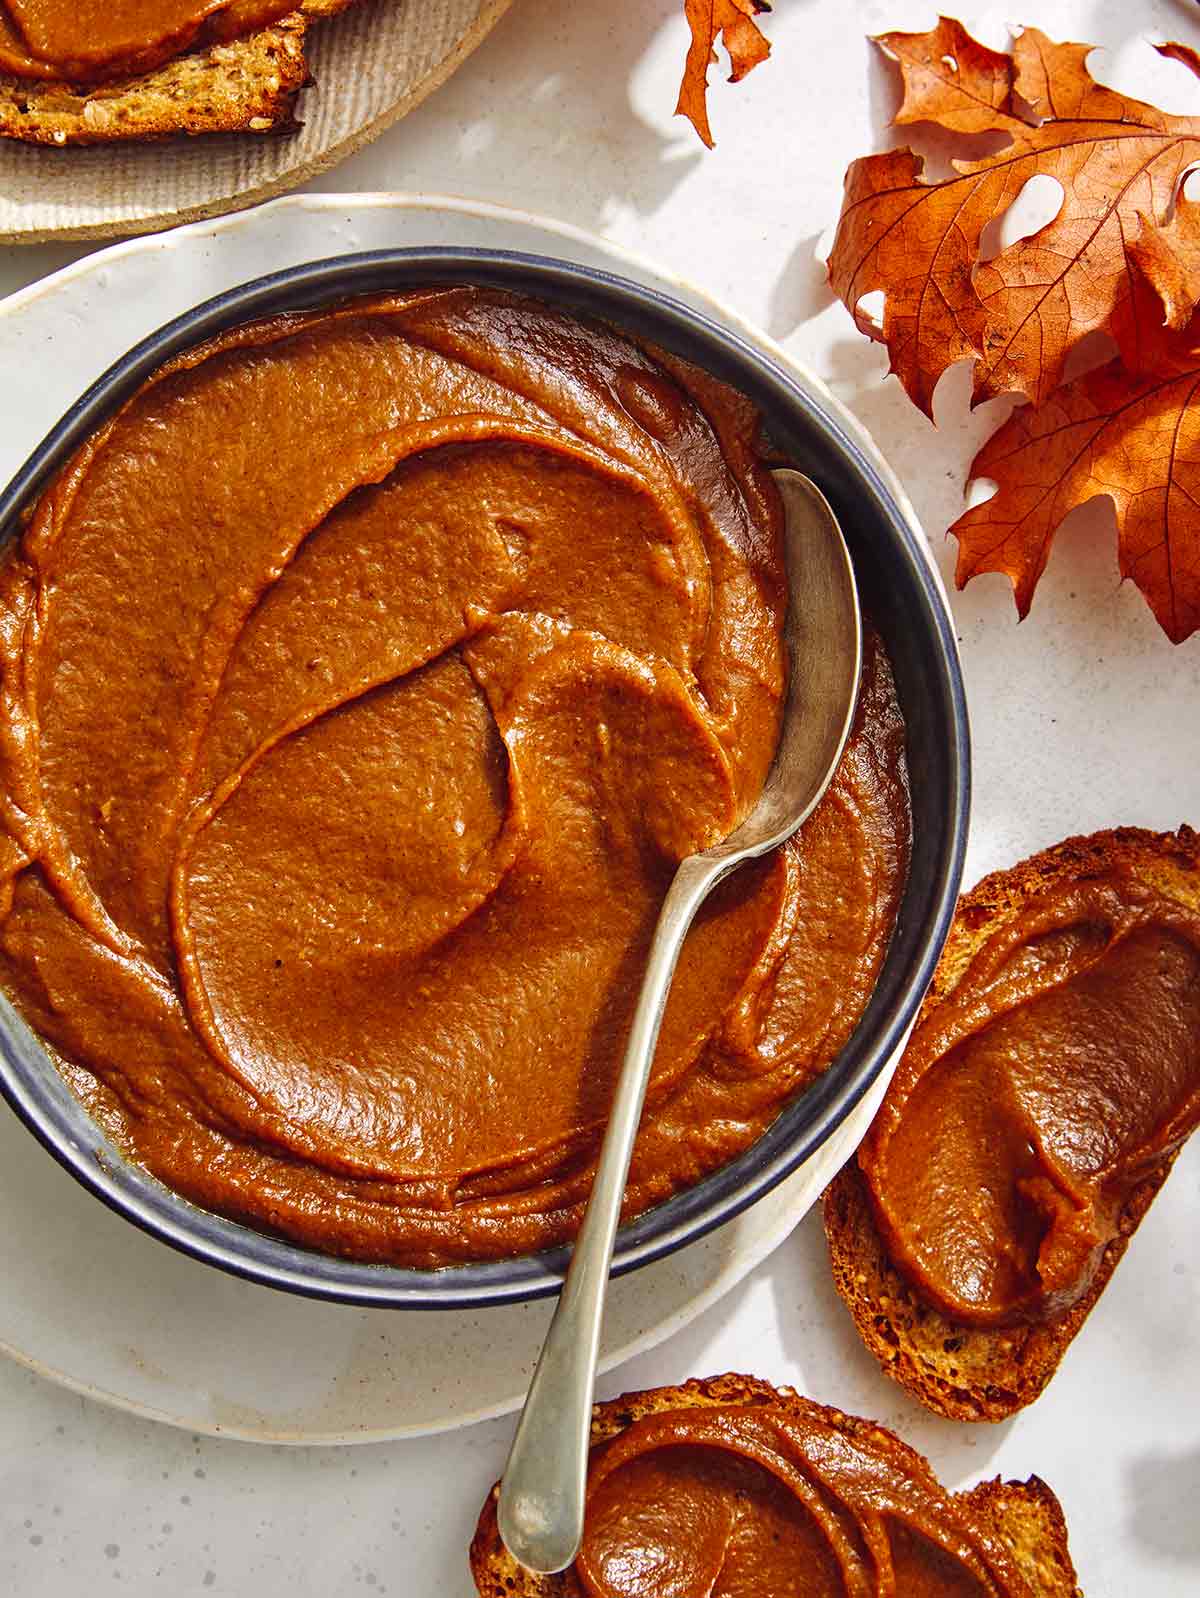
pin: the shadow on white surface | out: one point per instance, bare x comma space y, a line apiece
553, 97
800, 291
1159, 1484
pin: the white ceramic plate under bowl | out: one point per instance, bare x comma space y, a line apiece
90, 1301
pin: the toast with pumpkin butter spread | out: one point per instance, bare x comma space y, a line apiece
728, 1487
248, 83
1051, 1080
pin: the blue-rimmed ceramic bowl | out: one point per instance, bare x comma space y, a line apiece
903, 595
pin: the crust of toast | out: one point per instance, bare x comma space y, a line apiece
1029, 1519
248, 85
1025, 1516
972, 1373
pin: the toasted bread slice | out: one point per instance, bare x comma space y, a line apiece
972, 1373
249, 85
1025, 1516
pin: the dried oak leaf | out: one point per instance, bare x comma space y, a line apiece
1020, 314
1129, 430
731, 21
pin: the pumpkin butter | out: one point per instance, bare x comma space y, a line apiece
364, 680
88, 41
746, 1502
1060, 1072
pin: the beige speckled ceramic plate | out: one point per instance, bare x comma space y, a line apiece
370, 66
164, 1336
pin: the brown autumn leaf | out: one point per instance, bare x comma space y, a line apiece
1129, 430
1020, 314
731, 21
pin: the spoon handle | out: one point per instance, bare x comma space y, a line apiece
540, 1510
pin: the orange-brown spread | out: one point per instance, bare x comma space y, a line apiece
364, 680
87, 41
1059, 1073
758, 1502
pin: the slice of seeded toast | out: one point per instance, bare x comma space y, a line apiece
247, 85
966, 1372
1025, 1516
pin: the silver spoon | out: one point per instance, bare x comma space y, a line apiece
542, 1494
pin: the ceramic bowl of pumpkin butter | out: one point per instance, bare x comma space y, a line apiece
376, 638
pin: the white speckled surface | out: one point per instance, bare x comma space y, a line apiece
1083, 717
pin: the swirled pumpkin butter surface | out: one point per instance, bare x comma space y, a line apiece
1060, 1072
364, 680
87, 41
762, 1502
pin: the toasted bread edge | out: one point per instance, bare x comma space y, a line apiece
1029, 1519
248, 85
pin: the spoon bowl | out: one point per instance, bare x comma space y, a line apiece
541, 1506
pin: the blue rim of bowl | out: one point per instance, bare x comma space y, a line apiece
39, 1095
